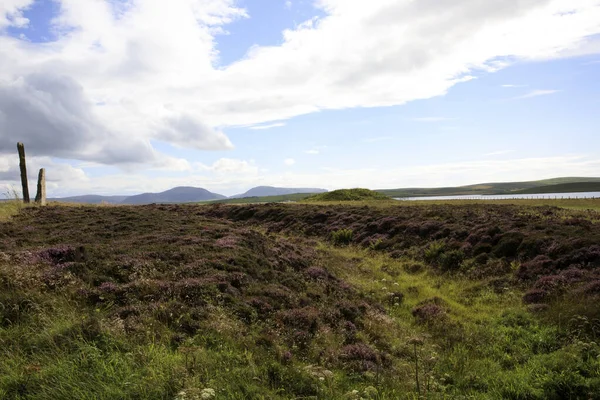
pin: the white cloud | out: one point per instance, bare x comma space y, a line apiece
513, 86
124, 74
288, 4
313, 151
537, 93
114, 80
233, 166
269, 126
11, 13
289, 161
57, 174
186, 131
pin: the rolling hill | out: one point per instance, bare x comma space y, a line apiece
181, 194
90, 199
263, 191
574, 187
490, 188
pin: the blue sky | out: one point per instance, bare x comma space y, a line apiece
119, 97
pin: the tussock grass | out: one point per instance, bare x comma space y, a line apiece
9, 208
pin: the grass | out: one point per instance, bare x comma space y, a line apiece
9, 208
573, 204
262, 302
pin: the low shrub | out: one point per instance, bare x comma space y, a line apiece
359, 357
535, 296
434, 250
430, 310
342, 237
508, 245
452, 260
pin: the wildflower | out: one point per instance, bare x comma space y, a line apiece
352, 395
207, 393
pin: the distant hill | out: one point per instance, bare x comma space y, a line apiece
90, 199
181, 194
575, 187
486, 188
357, 194
264, 191
284, 198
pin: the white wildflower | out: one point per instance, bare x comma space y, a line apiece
207, 393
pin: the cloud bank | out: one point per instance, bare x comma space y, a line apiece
122, 75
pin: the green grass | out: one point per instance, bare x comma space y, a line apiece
8, 208
574, 204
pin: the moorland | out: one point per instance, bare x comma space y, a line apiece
267, 194
316, 300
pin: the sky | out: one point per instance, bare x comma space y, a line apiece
132, 96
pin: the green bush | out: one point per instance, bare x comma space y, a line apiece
451, 260
342, 237
434, 251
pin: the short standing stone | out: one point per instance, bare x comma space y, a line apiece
40, 197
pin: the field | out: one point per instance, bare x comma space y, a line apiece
382, 300
573, 204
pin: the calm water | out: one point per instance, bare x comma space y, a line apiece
582, 195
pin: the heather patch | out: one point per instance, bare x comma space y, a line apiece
299, 301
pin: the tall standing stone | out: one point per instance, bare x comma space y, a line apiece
23, 167
40, 197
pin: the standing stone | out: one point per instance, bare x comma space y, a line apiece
40, 197
23, 167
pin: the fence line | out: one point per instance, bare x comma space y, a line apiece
492, 197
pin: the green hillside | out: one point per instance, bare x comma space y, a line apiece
564, 188
487, 188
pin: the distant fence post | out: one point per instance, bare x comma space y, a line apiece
23, 167
40, 197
